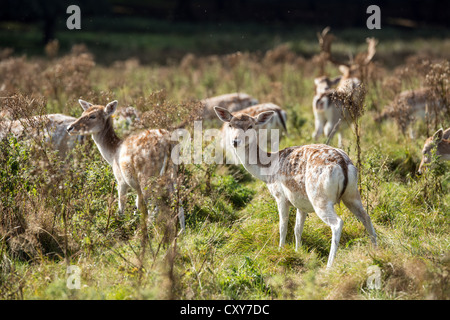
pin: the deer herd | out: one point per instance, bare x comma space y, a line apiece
311, 178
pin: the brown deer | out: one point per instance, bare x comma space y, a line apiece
135, 161
412, 105
440, 142
310, 177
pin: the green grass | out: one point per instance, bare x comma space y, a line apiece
230, 247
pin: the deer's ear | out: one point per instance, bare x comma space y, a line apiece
344, 70
438, 135
111, 108
335, 81
223, 114
264, 117
84, 104
318, 81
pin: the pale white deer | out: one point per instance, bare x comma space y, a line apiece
231, 101
310, 177
328, 103
278, 121
136, 160
50, 128
439, 143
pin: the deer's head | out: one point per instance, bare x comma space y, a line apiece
430, 144
242, 128
93, 119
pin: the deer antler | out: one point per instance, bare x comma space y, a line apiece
325, 40
371, 49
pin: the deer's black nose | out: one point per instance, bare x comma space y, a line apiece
235, 143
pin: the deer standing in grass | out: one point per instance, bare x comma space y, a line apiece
328, 104
410, 106
310, 177
440, 141
51, 128
135, 161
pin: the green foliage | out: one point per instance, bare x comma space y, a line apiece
234, 191
244, 280
58, 211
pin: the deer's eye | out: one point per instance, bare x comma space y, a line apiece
92, 117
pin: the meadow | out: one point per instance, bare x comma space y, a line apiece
55, 213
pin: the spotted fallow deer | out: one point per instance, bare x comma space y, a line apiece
231, 101
440, 142
311, 178
135, 161
411, 105
50, 127
278, 121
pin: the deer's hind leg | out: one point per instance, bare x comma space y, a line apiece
352, 201
355, 205
328, 215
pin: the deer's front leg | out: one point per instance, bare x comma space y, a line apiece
122, 190
298, 230
319, 121
283, 212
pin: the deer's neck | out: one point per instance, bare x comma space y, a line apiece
107, 142
443, 149
261, 164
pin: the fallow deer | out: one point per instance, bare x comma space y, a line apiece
411, 105
329, 109
278, 121
328, 104
50, 127
309, 177
135, 161
440, 142
231, 101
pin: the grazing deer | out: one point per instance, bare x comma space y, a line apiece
328, 102
135, 161
231, 101
310, 177
278, 121
440, 141
51, 127
411, 105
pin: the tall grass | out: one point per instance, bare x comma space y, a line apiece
57, 212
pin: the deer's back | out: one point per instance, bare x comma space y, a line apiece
313, 172
144, 156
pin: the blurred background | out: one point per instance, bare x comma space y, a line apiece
159, 31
